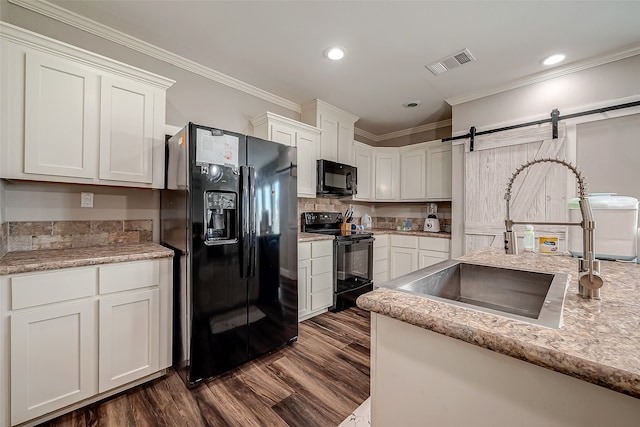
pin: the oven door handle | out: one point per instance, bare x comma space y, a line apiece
354, 241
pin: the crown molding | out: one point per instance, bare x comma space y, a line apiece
548, 75
403, 132
60, 14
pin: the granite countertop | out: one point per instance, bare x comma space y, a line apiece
51, 259
310, 237
441, 234
599, 341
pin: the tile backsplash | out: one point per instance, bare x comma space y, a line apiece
4, 233
35, 235
383, 215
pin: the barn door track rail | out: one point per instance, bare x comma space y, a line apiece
554, 118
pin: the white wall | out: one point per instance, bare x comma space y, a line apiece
608, 83
608, 152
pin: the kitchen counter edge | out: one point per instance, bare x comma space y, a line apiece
53, 259
310, 237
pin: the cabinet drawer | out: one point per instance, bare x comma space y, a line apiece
52, 286
130, 275
434, 244
319, 249
380, 278
380, 240
380, 266
304, 251
321, 282
380, 254
410, 242
321, 265
321, 299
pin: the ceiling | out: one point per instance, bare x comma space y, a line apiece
278, 46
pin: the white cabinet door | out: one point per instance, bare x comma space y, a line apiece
387, 164
345, 142
427, 258
76, 117
282, 134
304, 287
302, 136
403, 261
329, 137
439, 172
307, 144
53, 358
61, 117
321, 289
363, 161
126, 131
412, 174
380, 259
129, 337
336, 140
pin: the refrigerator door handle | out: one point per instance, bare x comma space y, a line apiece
248, 222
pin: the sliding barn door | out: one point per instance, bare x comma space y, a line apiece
538, 194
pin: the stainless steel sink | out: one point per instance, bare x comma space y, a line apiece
528, 296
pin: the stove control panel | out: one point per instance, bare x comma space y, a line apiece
310, 218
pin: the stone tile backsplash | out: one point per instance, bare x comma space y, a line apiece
4, 232
383, 222
35, 235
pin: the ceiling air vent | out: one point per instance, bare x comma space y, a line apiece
449, 62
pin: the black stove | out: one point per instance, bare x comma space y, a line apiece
352, 256
329, 223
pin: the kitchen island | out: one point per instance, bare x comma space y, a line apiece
456, 366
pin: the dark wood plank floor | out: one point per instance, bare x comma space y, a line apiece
317, 381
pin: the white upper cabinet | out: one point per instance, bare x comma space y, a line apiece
439, 171
412, 172
60, 117
336, 140
387, 174
363, 161
306, 138
126, 131
68, 115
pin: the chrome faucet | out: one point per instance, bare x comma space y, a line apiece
589, 279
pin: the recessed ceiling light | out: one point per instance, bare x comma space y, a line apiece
335, 53
411, 104
553, 59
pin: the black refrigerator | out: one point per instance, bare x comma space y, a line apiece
229, 211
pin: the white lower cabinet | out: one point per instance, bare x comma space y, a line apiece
403, 255
315, 278
53, 358
380, 259
410, 253
128, 321
79, 334
432, 251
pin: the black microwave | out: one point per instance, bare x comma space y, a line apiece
335, 179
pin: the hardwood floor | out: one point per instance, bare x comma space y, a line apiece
317, 381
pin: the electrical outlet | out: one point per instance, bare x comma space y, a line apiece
86, 200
